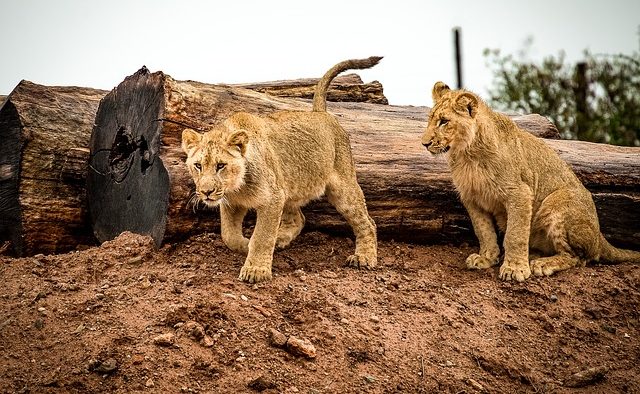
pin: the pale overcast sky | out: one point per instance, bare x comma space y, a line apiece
98, 43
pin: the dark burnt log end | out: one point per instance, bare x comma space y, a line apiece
127, 184
10, 211
45, 132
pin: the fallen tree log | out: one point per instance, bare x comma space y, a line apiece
45, 137
43, 161
140, 183
344, 88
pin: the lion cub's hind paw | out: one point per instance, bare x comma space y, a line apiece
361, 261
254, 274
476, 261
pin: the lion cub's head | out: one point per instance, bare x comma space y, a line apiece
216, 161
452, 122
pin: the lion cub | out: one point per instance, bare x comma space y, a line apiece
276, 164
508, 176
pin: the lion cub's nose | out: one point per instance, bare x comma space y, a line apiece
207, 193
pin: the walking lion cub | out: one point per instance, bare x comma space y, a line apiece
507, 176
276, 164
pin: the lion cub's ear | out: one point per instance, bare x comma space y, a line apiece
239, 140
190, 138
467, 103
438, 90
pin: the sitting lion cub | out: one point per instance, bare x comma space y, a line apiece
508, 176
275, 165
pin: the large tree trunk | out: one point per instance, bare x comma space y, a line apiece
140, 182
45, 137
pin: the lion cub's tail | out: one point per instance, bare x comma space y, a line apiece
320, 96
611, 254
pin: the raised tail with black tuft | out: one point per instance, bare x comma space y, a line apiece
320, 96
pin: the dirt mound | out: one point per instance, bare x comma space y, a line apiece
125, 318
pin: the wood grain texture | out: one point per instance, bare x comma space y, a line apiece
45, 134
409, 192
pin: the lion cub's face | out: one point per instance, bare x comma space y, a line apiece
216, 162
452, 123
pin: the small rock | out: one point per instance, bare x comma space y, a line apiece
194, 329
344, 320
135, 260
39, 323
107, 366
328, 274
448, 364
586, 377
300, 347
99, 296
475, 384
137, 359
553, 297
261, 383
627, 335
165, 340
79, 329
276, 338
240, 359
370, 378
299, 272
244, 297
149, 383
374, 319
229, 295
207, 341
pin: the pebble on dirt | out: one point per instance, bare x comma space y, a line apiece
165, 340
586, 377
300, 347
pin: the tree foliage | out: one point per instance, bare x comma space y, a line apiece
595, 100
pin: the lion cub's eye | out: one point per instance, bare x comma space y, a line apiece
198, 166
220, 166
442, 122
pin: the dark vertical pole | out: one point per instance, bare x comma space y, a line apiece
580, 92
458, 54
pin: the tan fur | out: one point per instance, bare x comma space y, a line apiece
512, 179
276, 164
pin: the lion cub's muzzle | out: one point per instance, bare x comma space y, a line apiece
211, 197
435, 148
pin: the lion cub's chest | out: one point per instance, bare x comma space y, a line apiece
478, 186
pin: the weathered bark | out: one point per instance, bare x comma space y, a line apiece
344, 88
45, 136
409, 192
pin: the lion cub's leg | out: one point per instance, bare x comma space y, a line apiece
348, 199
484, 229
231, 228
516, 238
569, 221
550, 265
257, 266
291, 225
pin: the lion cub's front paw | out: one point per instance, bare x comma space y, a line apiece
255, 273
362, 261
476, 261
515, 271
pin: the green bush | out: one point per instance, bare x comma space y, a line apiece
595, 100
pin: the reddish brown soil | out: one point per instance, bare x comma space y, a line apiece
89, 321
